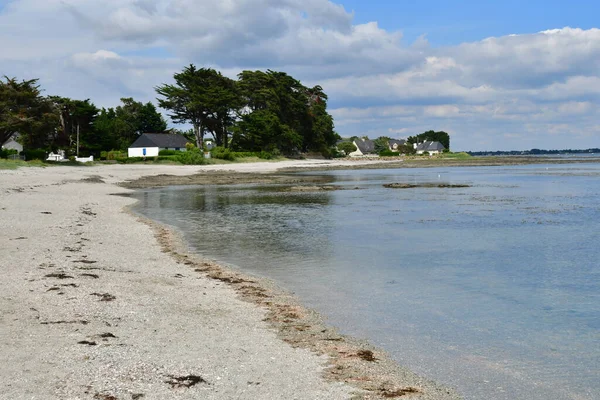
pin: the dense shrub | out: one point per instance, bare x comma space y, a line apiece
388, 153
173, 158
265, 155
222, 153
168, 152
116, 155
193, 157
4, 153
34, 154
103, 155
346, 147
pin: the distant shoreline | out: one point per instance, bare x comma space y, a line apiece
281, 172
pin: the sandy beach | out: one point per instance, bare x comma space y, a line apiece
98, 304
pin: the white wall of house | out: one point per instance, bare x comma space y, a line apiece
139, 152
432, 152
356, 153
12, 144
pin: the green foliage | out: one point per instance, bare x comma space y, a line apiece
346, 147
168, 152
73, 116
14, 164
229, 155
204, 98
381, 144
118, 128
222, 153
193, 157
284, 115
23, 109
4, 153
190, 146
440, 136
34, 154
116, 155
407, 149
173, 158
461, 155
265, 155
388, 153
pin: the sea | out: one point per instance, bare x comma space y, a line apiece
493, 289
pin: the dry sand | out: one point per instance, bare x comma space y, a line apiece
96, 304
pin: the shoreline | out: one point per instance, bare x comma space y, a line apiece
281, 172
85, 300
353, 361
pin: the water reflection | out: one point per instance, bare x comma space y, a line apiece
493, 288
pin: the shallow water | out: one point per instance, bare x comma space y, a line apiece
492, 289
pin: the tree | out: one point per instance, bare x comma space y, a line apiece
406, 149
297, 115
149, 120
74, 116
24, 110
119, 127
381, 144
346, 147
189, 100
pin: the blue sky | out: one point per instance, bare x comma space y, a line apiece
495, 75
454, 22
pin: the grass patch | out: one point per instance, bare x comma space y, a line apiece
14, 164
457, 156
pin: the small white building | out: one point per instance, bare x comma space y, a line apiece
430, 146
363, 147
12, 144
396, 144
149, 144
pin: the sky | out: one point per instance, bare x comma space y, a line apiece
510, 75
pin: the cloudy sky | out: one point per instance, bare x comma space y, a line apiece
501, 76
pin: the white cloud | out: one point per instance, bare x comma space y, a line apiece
498, 87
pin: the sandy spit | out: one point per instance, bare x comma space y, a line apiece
97, 304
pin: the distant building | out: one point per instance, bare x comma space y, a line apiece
430, 147
149, 144
395, 144
363, 147
12, 144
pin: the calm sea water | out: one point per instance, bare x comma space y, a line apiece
492, 289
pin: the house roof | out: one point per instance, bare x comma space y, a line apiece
399, 142
365, 145
430, 146
160, 140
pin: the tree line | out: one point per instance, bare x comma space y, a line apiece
259, 111
54, 122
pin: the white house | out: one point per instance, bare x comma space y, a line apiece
363, 147
149, 144
430, 147
396, 144
12, 144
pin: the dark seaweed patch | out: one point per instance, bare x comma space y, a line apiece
104, 296
59, 276
184, 381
